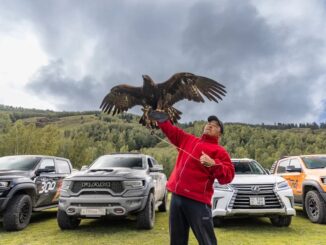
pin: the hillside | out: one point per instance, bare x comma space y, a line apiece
83, 136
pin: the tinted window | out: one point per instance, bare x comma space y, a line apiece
252, 167
23, 163
62, 166
282, 165
150, 164
315, 162
47, 163
110, 161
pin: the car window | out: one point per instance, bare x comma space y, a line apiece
149, 162
248, 167
112, 161
282, 165
47, 163
315, 162
63, 166
154, 161
295, 163
23, 163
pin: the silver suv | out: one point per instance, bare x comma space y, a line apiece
115, 185
253, 192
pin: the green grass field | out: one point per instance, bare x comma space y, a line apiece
44, 230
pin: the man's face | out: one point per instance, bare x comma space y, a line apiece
212, 128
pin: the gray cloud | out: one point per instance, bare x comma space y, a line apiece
272, 70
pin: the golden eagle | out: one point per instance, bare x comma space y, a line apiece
162, 96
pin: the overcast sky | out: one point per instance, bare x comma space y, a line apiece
66, 55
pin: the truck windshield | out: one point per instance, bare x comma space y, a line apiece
246, 167
23, 163
314, 162
112, 161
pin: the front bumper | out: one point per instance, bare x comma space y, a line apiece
114, 206
222, 207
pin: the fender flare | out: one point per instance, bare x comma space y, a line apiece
315, 185
30, 187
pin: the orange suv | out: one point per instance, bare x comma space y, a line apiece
306, 174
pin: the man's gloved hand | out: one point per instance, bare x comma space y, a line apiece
206, 160
159, 116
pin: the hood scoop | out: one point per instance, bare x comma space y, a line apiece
101, 170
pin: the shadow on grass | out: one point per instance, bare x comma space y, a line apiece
105, 227
301, 213
43, 216
252, 224
37, 217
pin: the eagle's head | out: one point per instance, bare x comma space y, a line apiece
148, 80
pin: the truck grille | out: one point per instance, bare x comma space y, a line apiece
115, 186
241, 197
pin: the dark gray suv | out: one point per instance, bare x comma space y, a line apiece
115, 185
29, 183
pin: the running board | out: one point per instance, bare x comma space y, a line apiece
45, 207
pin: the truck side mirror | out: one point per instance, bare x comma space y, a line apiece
44, 170
292, 169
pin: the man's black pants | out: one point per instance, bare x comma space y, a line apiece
186, 213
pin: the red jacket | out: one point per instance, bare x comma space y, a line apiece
189, 177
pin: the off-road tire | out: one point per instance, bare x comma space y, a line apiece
67, 222
281, 221
315, 207
18, 213
164, 205
146, 218
218, 222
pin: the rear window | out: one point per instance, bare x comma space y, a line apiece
248, 167
23, 163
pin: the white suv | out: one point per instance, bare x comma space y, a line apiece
253, 192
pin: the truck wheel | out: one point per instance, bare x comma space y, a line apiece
146, 218
163, 206
67, 222
315, 207
218, 222
281, 221
18, 213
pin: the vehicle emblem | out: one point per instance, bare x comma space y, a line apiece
255, 189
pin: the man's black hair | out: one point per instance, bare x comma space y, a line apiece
215, 118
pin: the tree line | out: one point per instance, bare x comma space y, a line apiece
86, 140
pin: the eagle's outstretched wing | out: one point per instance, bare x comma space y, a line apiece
190, 86
121, 98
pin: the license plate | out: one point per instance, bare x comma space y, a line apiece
93, 211
257, 201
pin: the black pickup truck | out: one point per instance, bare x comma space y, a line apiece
29, 183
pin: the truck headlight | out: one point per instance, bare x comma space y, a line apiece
133, 184
283, 185
66, 184
4, 183
220, 187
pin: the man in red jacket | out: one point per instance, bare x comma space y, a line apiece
199, 162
